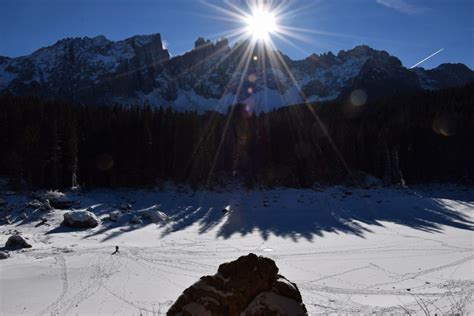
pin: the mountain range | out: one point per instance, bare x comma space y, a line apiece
139, 70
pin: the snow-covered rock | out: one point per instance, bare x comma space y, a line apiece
272, 303
4, 255
249, 285
16, 242
80, 219
56, 199
154, 215
43, 205
226, 209
136, 220
46, 206
126, 207
35, 204
114, 216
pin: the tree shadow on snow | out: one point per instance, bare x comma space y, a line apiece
336, 210
294, 213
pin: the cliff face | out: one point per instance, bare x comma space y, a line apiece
212, 76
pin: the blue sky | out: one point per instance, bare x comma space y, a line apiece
408, 29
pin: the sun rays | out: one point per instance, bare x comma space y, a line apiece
261, 23
258, 23
254, 58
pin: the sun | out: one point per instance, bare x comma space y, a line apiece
261, 23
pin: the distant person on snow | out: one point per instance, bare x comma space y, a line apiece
116, 250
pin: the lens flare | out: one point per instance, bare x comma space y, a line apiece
358, 97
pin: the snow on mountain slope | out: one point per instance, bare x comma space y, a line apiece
212, 76
350, 251
5, 77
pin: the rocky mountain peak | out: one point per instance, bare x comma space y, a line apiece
201, 42
212, 75
362, 51
324, 60
453, 67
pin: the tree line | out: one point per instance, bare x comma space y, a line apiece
417, 138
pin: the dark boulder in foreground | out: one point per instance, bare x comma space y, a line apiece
249, 286
16, 242
4, 255
80, 219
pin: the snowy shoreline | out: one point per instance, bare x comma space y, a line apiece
349, 250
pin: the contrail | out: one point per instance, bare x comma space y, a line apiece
423, 60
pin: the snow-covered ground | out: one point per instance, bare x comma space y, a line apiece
349, 250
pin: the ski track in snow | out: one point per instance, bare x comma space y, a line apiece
391, 268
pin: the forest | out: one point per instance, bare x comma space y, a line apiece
417, 138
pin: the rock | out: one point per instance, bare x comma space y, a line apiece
42, 221
126, 207
372, 182
80, 219
56, 199
3, 202
271, 303
287, 289
34, 204
249, 286
46, 206
41, 205
114, 216
16, 242
63, 203
4, 255
226, 209
135, 220
154, 215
